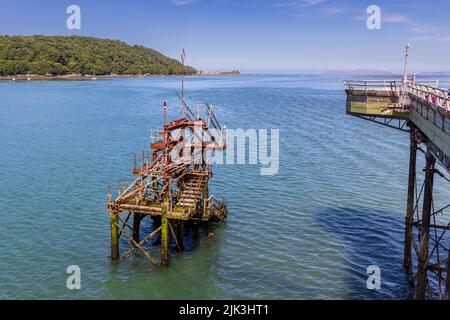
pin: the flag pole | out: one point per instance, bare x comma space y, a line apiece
183, 55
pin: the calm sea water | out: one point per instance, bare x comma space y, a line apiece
335, 207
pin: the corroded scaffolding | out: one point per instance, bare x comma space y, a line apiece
428, 239
171, 184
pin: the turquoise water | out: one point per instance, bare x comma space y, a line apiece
335, 207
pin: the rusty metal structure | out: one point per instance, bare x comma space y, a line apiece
422, 110
171, 184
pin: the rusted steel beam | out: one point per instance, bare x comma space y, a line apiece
136, 245
205, 199
114, 220
164, 237
174, 235
438, 266
433, 226
447, 279
425, 230
125, 222
143, 241
154, 209
136, 226
410, 201
180, 234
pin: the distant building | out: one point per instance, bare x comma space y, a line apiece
209, 73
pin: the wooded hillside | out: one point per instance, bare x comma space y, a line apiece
59, 55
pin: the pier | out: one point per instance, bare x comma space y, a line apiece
423, 111
171, 185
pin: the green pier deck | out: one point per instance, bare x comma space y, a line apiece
426, 107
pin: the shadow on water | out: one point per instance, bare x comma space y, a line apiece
368, 237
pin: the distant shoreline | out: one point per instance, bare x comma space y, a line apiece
77, 77
34, 77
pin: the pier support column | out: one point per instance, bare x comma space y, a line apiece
447, 279
164, 236
205, 200
180, 234
136, 226
155, 181
425, 228
155, 190
114, 220
410, 202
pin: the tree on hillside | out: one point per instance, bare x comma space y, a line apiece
58, 55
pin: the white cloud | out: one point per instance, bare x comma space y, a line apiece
182, 2
432, 38
425, 33
310, 3
395, 18
332, 11
389, 18
298, 3
323, 9
424, 29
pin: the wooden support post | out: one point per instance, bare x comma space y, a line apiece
410, 202
425, 230
164, 236
136, 226
180, 234
114, 220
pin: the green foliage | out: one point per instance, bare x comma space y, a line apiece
58, 55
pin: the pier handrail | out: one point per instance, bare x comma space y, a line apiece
212, 116
212, 202
385, 85
442, 84
435, 96
187, 110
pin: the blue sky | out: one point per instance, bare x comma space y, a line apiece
255, 35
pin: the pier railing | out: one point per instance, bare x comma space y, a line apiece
372, 85
442, 84
436, 96
434, 92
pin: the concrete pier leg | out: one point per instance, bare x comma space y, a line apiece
410, 201
164, 237
114, 220
136, 226
425, 229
